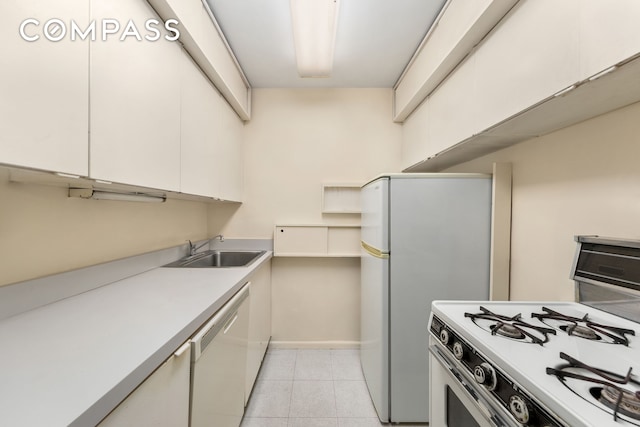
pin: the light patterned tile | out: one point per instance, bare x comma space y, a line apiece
278, 365
270, 399
313, 422
345, 365
353, 400
361, 422
313, 399
264, 422
313, 365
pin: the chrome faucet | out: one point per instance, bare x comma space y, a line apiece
193, 248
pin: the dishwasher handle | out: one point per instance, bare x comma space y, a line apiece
223, 319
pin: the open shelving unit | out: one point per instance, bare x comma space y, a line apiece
318, 240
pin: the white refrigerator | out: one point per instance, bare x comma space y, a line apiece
425, 237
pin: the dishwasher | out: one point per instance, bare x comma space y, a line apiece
218, 365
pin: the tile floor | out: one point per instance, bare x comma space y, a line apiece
310, 388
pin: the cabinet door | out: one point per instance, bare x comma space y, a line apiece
135, 102
416, 145
259, 324
453, 110
529, 56
211, 160
162, 400
199, 123
609, 33
230, 163
44, 88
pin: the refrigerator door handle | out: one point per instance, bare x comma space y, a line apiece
374, 251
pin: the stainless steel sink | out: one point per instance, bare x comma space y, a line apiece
217, 259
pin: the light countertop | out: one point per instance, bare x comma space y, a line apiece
73, 361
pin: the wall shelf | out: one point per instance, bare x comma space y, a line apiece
341, 198
322, 240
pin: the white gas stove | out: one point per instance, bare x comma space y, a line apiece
544, 364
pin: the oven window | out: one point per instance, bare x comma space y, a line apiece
457, 414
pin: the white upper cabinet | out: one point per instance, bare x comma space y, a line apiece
461, 26
211, 155
609, 33
416, 144
198, 133
135, 102
207, 45
230, 160
531, 75
44, 87
453, 111
531, 55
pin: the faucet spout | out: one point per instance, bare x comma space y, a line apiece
194, 248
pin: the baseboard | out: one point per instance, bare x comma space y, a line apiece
315, 344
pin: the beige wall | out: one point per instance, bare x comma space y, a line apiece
44, 232
584, 179
296, 140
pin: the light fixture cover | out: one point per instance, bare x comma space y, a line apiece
314, 35
89, 193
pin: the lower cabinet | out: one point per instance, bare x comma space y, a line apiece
207, 382
259, 324
162, 400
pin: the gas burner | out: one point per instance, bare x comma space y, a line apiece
627, 403
581, 331
609, 395
582, 327
510, 327
509, 331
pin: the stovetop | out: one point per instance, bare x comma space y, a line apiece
534, 350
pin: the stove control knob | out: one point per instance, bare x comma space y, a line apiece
485, 374
519, 408
445, 337
458, 350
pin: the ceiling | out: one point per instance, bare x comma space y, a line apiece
374, 42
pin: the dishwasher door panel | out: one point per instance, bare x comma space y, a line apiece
218, 374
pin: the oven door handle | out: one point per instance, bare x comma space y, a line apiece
486, 410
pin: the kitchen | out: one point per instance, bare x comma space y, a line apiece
577, 180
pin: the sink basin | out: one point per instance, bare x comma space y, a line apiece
217, 259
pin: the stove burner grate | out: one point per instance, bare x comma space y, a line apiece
613, 396
582, 327
511, 326
625, 402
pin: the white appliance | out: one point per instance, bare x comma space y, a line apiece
218, 365
544, 364
424, 237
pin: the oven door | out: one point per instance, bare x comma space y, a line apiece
455, 400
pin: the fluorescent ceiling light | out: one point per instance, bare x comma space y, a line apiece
314, 35
89, 193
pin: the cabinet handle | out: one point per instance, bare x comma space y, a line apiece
179, 352
230, 324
